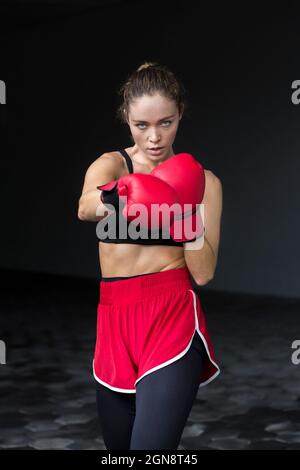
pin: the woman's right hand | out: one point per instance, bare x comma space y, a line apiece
110, 195
138, 192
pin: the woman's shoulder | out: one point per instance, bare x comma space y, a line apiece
213, 185
122, 162
115, 158
114, 155
211, 178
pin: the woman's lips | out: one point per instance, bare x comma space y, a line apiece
156, 150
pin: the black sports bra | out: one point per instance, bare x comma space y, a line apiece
109, 232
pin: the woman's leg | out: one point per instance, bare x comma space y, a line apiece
164, 399
116, 413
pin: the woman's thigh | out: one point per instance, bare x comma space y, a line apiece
164, 399
116, 413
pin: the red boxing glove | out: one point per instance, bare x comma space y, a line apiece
187, 178
146, 189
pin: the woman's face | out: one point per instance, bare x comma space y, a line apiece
153, 122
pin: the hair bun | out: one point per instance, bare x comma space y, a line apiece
146, 65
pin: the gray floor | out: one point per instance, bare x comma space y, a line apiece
48, 392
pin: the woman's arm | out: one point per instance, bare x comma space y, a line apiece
202, 261
103, 170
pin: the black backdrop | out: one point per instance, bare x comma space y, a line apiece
63, 62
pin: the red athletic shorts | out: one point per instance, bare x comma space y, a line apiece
145, 323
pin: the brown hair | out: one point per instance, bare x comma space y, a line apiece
148, 79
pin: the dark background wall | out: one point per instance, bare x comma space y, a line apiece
63, 64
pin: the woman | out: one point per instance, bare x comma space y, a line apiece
152, 350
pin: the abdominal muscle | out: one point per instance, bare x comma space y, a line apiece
130, 260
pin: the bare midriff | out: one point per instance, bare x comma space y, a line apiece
130, 260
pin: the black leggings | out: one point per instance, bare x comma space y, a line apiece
155, 416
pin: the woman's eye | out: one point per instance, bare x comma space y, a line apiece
164, 122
